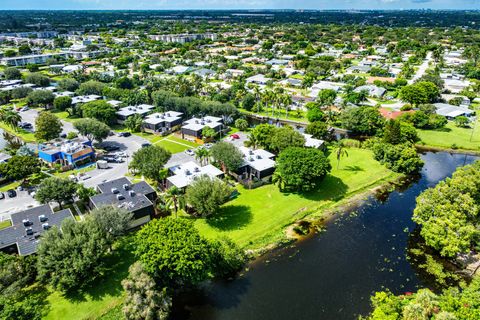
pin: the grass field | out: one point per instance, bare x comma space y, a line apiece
172, 143
25, 135
452, 137
104, 295
258, 217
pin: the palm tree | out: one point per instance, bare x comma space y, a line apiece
340, 151
11, 118
202, 155
278, 180
174, 197
286, 100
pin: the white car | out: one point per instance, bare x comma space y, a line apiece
190, 152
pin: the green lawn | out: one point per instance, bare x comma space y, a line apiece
104, 295
25, 135
258, 217
280, 114
172, 143
462, 138
12, 185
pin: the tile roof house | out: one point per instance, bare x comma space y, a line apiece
24, 234
138, 198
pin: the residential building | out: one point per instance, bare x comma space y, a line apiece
451, 112
258, 79
373, 91
137, 198
126, 112
311, 142
162, 122
184, 174
258, 165
23, 236
193, 127
182, 38
85, 99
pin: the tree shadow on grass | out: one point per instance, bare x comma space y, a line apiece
231, 217
330, 189
116, 269
353, 168
444, 129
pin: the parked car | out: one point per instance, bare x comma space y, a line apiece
190, 152
2, 196
124, 134
20, 188
63, 135
25, 125
208, 145
11, 193
24, 109
235, 136
144, 145
109, 147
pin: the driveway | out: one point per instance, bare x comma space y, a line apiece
238, 142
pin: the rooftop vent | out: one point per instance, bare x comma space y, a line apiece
168, 114
157, 116
250, 152
42, 218
259, 156
126, 186
197, 169
114, 190
29, 231
131, 193
251, 159
45, 226
187, 172
196, 121
120, 197
202, 123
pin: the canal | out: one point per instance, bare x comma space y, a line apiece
330, 275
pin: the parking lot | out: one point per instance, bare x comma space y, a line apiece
11, 205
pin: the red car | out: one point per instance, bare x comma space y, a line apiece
235, 136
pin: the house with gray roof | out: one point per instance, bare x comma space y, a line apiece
181, 176
24, 235
138, 198
451, 112
162, 122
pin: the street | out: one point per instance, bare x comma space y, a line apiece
422, 68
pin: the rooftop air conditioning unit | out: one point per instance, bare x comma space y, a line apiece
42, 218
126, 186
197, 169
131, 193
157, 116
114, 190
196, 121
251, 159
259, 156
120, 197
202, 123
168, 114
187, 172
29, 231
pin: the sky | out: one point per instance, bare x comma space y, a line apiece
237, 4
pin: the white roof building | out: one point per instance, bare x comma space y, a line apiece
185, 174
142, 110
168, 116
258, 159
258, 79
311, 142
449, 111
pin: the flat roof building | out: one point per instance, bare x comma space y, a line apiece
194, 126
184, 174
162, 122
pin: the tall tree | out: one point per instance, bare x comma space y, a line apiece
56, 189
227, 155
47, 126
149, 161
92, 129
206, 195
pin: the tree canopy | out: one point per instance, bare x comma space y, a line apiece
92, 129
206, 195
149, 161
227, 155
47, 126
363, 120
301, 168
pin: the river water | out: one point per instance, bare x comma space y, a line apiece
330, 275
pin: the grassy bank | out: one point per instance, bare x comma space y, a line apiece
258, 217
104, 295
452, 137
25, 135
254, 219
